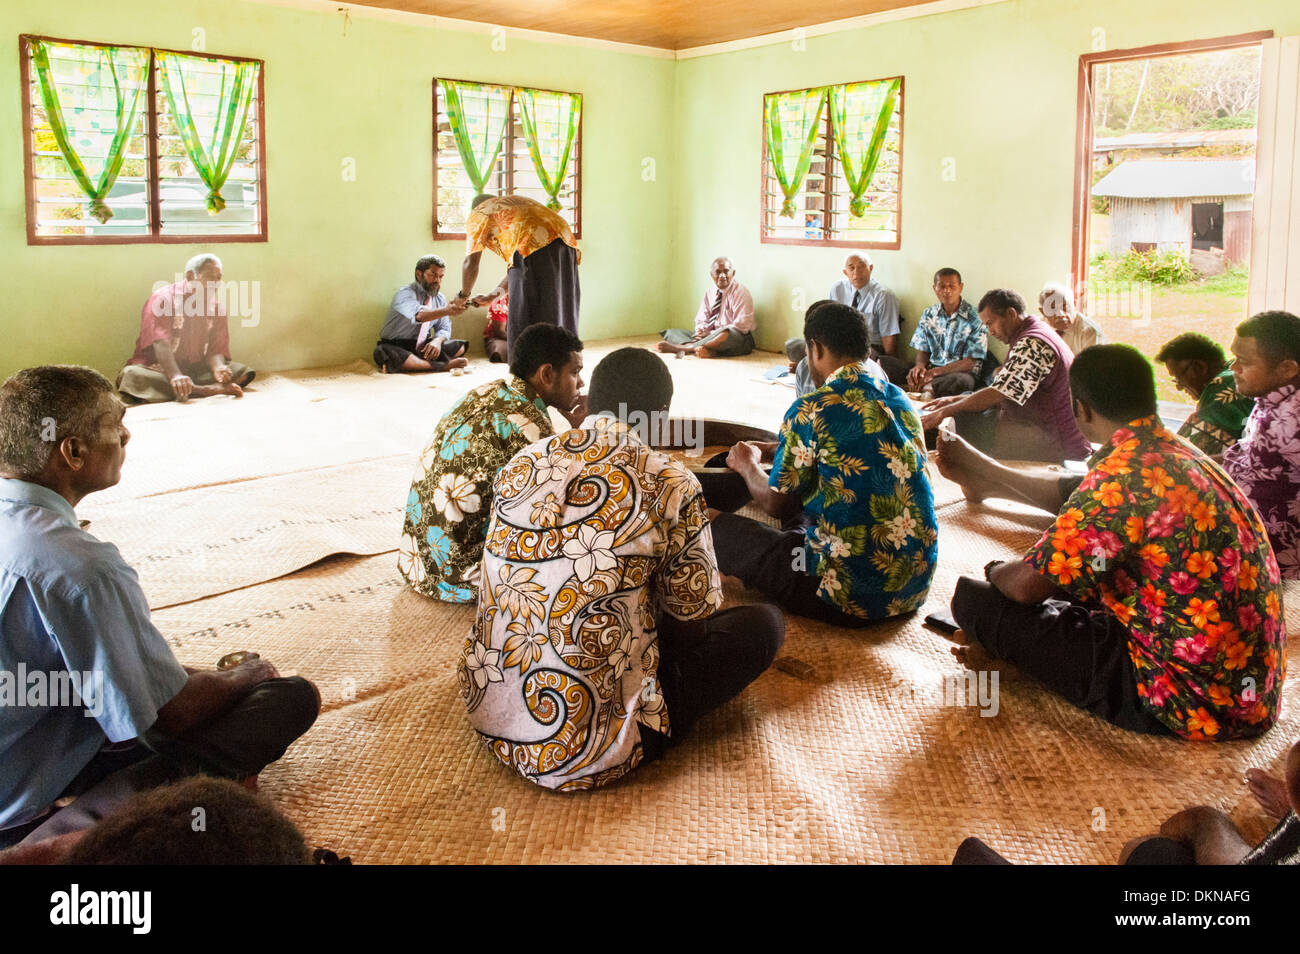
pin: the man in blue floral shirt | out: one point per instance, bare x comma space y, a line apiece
950, 341
849, 478
451, 495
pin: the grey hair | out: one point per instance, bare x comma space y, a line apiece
862, 256
41, 406
198, 261
426, 261
1057, 288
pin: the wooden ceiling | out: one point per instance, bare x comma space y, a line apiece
666, 24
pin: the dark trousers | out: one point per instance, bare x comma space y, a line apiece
1080, 655
704, 663
896, 368
763, 558
237, 744
543, 288
958, 382
391, 354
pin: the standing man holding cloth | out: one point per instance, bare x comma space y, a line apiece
543, 256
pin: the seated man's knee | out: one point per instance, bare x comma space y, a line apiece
768, 629
966, 597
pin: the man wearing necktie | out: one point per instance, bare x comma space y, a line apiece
724, 325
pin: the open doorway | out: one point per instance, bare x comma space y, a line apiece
1164, 185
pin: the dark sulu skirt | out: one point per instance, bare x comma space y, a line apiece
543, 288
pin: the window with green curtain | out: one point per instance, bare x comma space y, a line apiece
90, 97
479, 114
539, 155
550, 127
832, 176
91, 118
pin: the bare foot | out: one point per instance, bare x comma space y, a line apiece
457, 363
973, 656
230, 387
665, 347
1269, 791
960, 462
703, 353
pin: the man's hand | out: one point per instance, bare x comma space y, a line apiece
255, 671
457, 306
918, 377
432, 350
744, 456
182, 386
578, 413
222, 374
489, 297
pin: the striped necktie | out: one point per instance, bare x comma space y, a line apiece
716, 311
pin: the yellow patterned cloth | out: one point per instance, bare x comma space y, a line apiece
507, 224
592, 537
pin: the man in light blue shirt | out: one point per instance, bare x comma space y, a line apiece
417, 329
879, 306
93, 703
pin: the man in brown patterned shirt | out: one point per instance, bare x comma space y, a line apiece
598, 642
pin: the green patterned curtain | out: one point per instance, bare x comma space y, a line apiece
550, 127
478, 116
91, 94
209, 102
792, 120
860, 114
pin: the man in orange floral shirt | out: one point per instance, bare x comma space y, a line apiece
1153, 600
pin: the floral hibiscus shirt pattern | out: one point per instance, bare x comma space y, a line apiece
450, 497
1266, 463
592, 536
854, 455
509, 224
1161, 538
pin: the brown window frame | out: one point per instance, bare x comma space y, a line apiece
828, 189
1079, 238
508, 155
154, 179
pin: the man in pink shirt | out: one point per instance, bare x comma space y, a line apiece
184, 346
724, 325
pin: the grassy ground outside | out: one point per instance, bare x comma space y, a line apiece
1213, 306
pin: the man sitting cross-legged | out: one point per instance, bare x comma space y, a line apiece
1153, 600
1200, 369
1025, 412
951, 342
849, 480
598, 642
417, 330
126, 716
724, 325
1266, 461
451, 494
183, 350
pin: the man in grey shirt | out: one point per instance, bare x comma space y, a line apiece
417, 331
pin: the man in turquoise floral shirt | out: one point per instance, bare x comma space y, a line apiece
849, 479
451, 494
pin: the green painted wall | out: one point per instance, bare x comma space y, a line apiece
337, 250
992, 87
